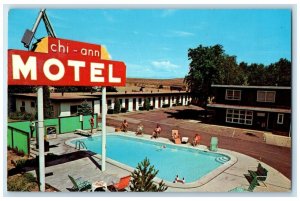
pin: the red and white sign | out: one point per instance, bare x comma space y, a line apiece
31, 68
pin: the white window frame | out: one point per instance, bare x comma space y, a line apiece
233, 97
237, 116
280, 118
265, 96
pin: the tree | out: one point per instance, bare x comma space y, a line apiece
147, 104
142, 178
204, 71
117, 106
85, 108
257, 74
279, 73
48, 108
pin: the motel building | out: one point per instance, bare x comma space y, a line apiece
265, 108
67, 104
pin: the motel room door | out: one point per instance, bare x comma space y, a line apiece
159, 100
126, 104
134, 104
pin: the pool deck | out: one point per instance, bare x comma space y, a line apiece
87, 165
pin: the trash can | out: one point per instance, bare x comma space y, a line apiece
46, 145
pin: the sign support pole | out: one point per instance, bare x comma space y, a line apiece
104, 110
41, 138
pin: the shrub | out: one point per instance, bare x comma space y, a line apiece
110, 111
147, 104
165, 105
20, 164
117, 106
142, 178
25, 182
123, 110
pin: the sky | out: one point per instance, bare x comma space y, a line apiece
154, 43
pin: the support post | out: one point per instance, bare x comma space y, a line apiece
103, 112
41, 138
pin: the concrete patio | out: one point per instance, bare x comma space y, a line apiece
88, 166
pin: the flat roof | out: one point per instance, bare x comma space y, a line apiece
265, 109
88, 95
250, 87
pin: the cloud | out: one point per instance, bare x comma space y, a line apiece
108, 17
165, 64
182, 33
167, 13
179, 34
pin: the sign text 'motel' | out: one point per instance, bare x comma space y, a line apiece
31, 68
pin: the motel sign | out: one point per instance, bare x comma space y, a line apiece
31, 68
62, 62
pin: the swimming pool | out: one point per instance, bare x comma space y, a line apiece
192, 164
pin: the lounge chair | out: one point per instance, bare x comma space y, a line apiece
260, 174
82, 132
121, 185
214, 144
184, 140
251, 187
79, 184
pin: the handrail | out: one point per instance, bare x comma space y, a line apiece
80, 144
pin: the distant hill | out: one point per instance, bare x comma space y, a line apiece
154, 82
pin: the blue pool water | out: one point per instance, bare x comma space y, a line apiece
192, 164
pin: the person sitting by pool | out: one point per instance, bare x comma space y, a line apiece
176, 137
156, 131
177, 180
124, 126
140, 129
196, 140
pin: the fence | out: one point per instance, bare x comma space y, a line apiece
18, 133
19, 139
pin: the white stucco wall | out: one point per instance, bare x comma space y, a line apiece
156, 102
65, 110
130, 105
28, 107
97, 107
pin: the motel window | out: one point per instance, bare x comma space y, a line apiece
280, 118
22, 108
266, 96
233, 94
74, 109
109, 104
120, 100
32, 104
140, 101
23, 103
239, 116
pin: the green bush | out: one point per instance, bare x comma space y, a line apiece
147, 104
165, 105
20, 164
110, 111
123, 110
142, 178
21, 183
117, 106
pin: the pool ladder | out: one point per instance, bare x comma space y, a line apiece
222, 159
80, 144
